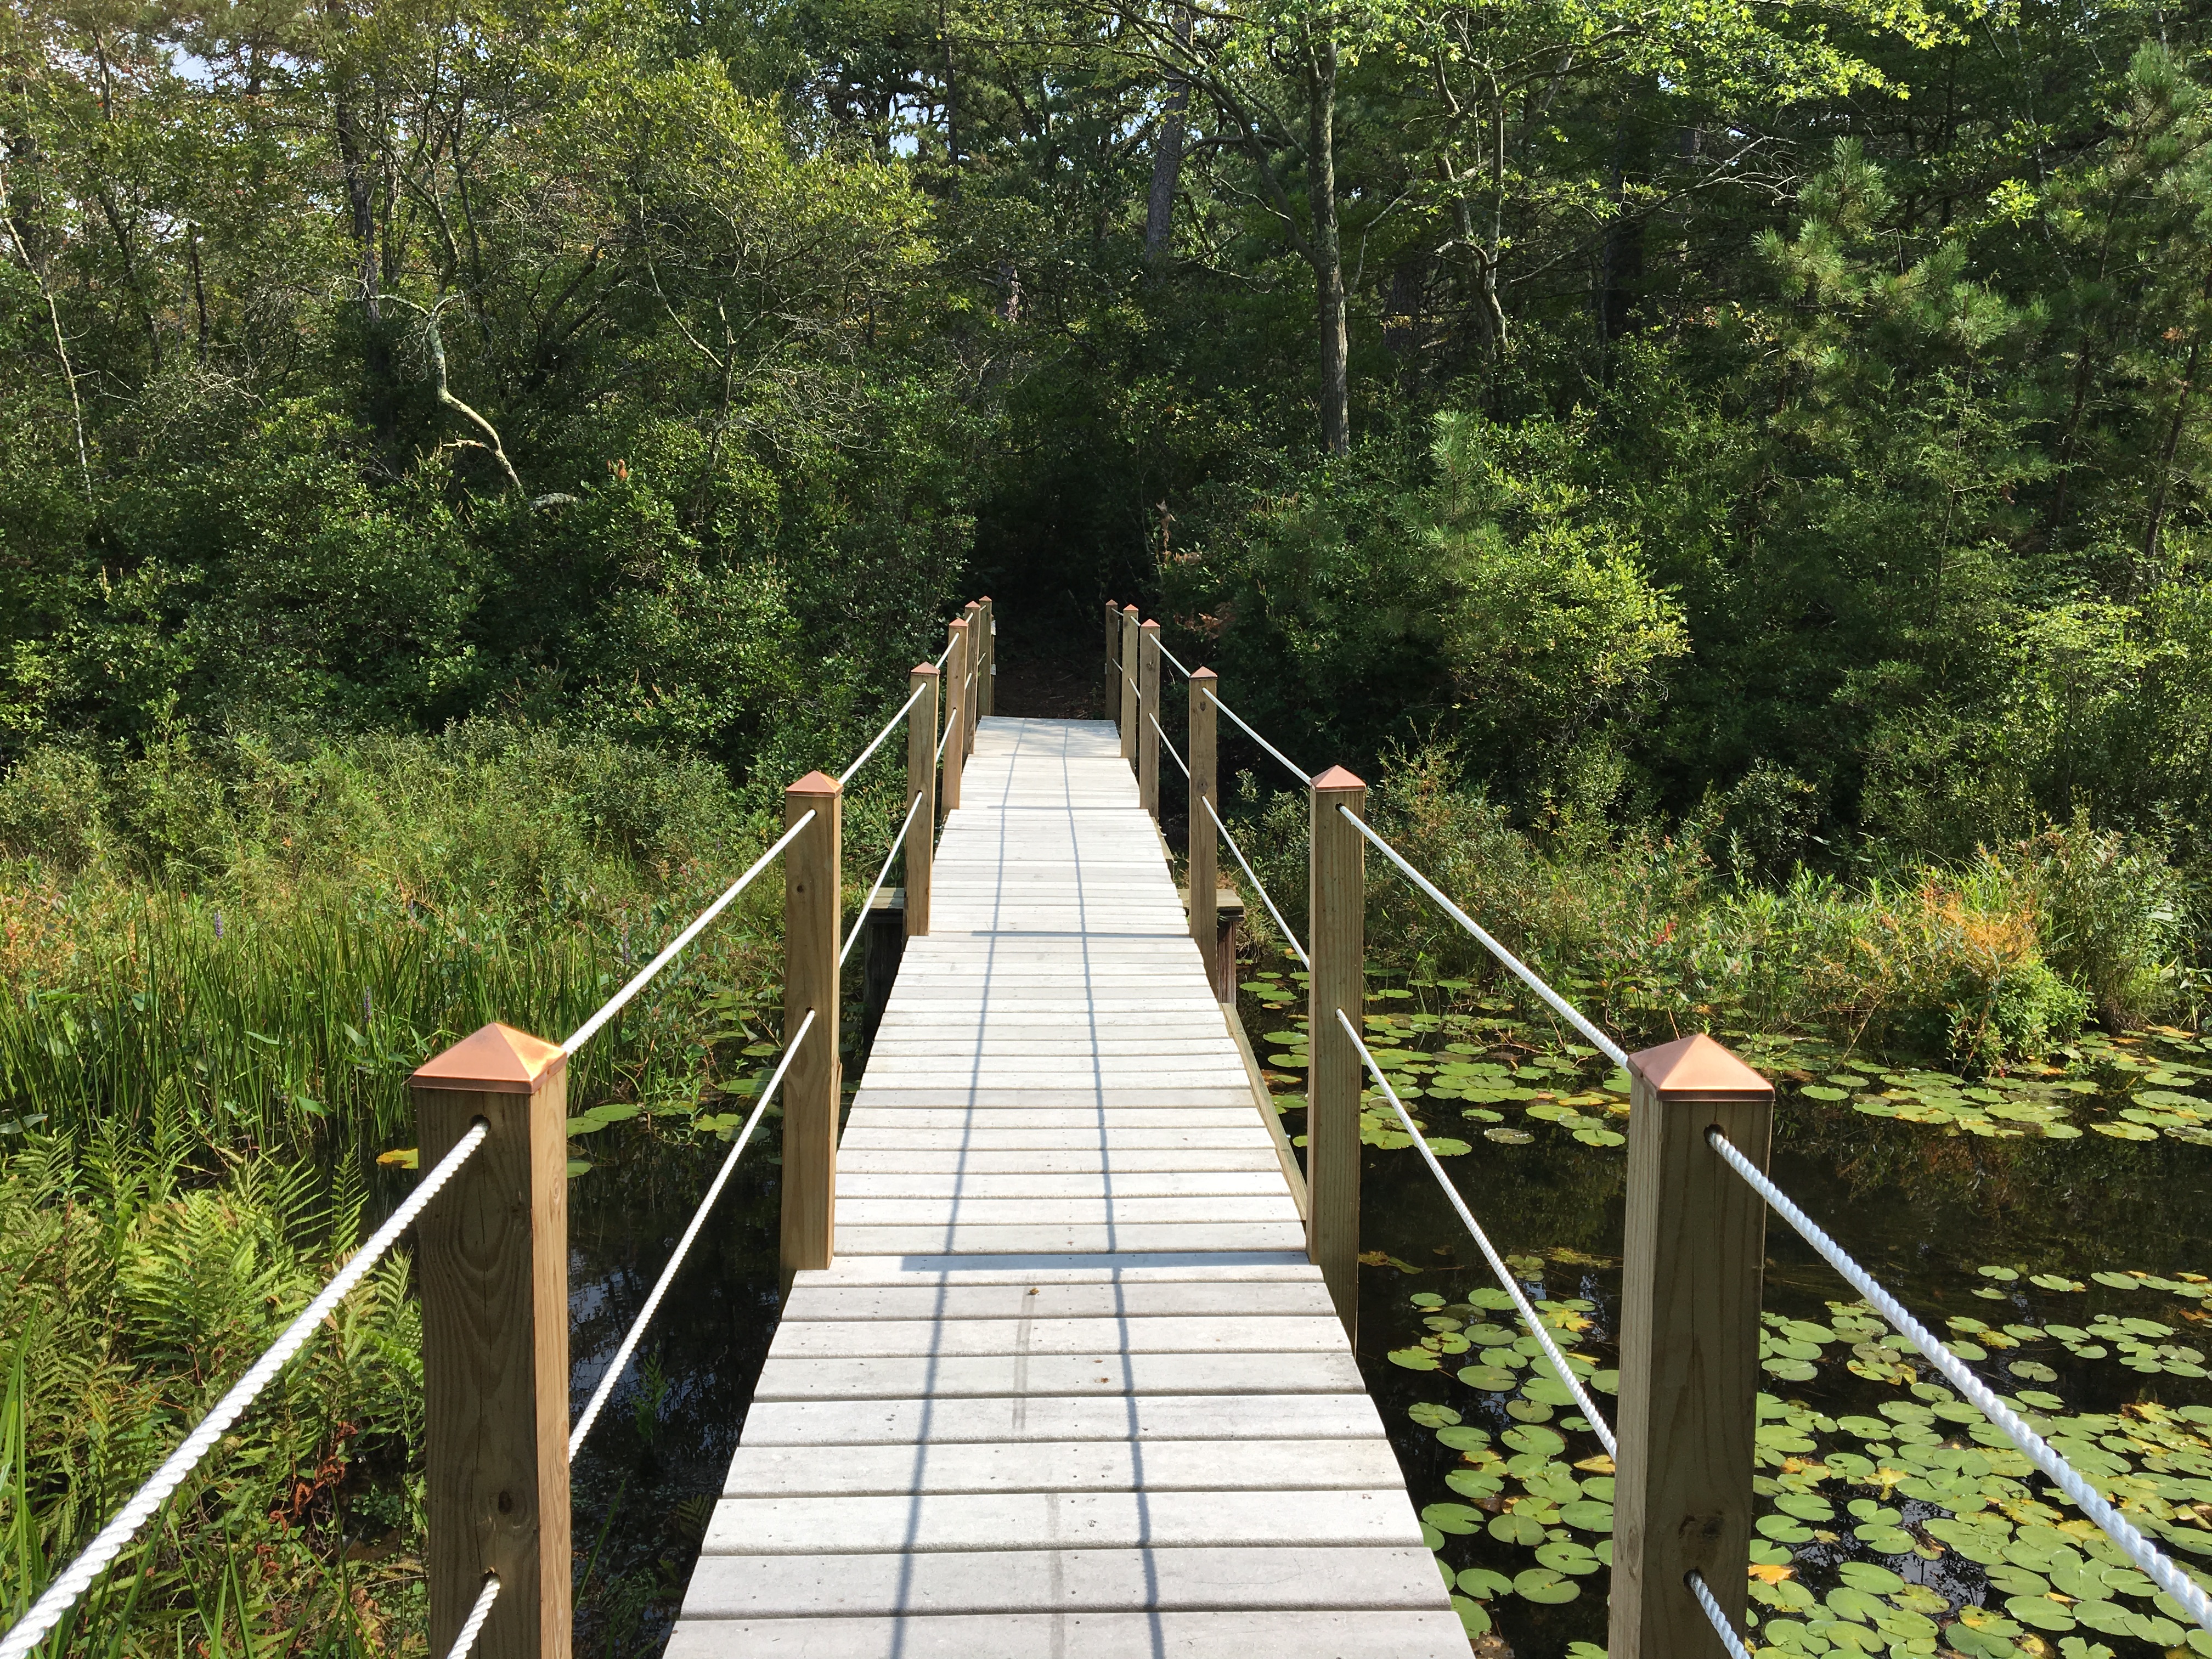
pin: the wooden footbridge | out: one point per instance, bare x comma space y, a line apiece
1070, 1385
1066, 1359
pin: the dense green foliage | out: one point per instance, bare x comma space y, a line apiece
1733, 475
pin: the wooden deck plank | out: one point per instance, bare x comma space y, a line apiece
1070, 1384
1301, 1634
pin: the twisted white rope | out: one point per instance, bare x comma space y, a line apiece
616, 1366
1528, 1315
1289, 937
1719, 1620
1605, 1046
1169, 742
77, 1577
889, 725
473, 1626
1304, 777
943, 654
949, 723
615, 1003
1171, 656
2138, 1548
861, 921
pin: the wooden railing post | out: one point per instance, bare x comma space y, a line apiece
813, 904
1129, 684
956, 678
1204, 791
920, 849
971, 695
987, 690
492, 1256
1695, 1247
1337, 979
1112, 660
1148, 716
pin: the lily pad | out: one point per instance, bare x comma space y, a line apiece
1456, 1519
1543, 1585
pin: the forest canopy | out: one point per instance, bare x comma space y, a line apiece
1786, 412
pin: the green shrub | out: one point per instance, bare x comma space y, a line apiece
53, 808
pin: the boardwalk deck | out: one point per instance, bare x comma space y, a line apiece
1071, 1386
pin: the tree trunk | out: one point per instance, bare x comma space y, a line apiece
2166, 452
1327, 255
1167, 156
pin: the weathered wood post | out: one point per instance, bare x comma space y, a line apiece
971, 693
987, 689
1148, 718
1694, 1246
921, 850
1337, 939
1129, 684
956, 678
492, 1251
1204, 792
1112, 660
811, 903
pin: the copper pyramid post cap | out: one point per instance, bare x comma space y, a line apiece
1130, 609
925, 668
1338, 777
815, 783
1150, 623
1204, 674
498, 1060
1697, 1066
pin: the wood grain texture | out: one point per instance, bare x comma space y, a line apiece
920, 855
812, 907
976, 651
1694, 1247
1110, 707
1128, 703
1205, 845
1338, 903
987, 683
492, 1253
1148, 723
956, 678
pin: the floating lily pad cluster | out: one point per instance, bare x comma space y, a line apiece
2129, 1088
1474, 1063
1909, 1528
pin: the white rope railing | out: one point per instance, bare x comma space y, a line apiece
77, 1577
1305, 777
1258, 886
949, 724
1169, 743
620, 1361
1512, 1286
1566, 1011
473, 1626
861, 921
615, 1003
2138, 1549
1714, 1616
943, 654
1171, 656
889, 725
